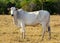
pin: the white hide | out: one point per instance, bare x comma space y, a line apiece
32, 18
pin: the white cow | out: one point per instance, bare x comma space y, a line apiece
23, 18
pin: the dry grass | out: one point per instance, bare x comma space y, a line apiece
9, 33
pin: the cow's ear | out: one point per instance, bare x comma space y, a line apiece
8, 9
16, 8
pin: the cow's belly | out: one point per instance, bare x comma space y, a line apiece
31, 22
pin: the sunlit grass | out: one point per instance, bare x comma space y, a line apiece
10, 33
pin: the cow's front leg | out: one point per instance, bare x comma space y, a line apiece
23, 30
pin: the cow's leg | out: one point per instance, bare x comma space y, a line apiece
49, 30
23, 30
44, 30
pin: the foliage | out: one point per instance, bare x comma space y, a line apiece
53, 6
49, 6
25, 4
31, 5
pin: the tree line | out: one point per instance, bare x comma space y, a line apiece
53, 6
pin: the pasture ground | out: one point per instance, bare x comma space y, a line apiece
10, 33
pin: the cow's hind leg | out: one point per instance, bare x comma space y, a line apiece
44, 30
49, 30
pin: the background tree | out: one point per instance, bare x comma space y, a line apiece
53, 6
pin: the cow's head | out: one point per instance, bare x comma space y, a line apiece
12, 10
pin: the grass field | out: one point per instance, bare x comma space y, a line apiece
10, 33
